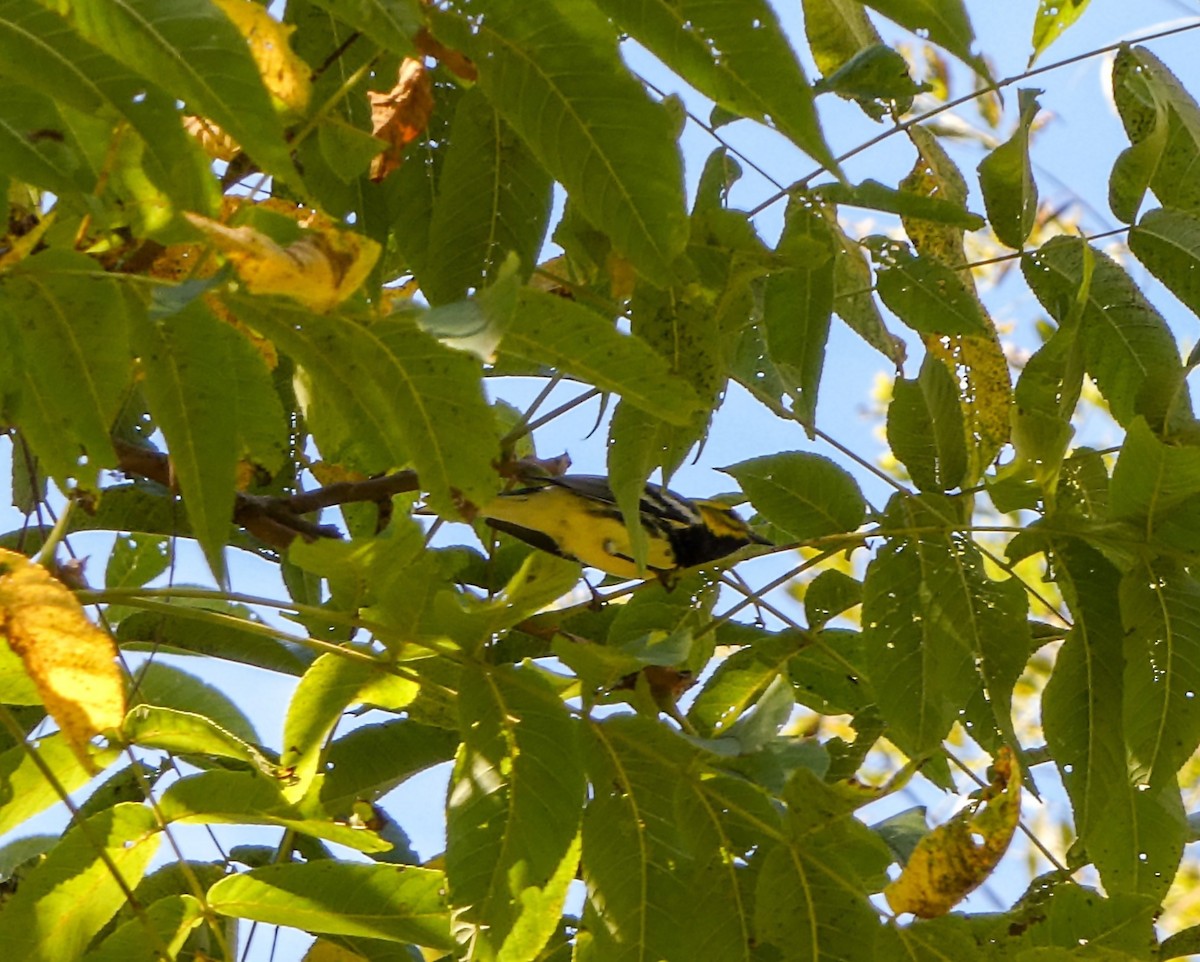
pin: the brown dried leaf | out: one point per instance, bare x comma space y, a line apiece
320, 270
71, 661
285, 75
949, 862
399, 116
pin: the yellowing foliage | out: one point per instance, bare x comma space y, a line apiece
321, 270
284, 74
400, 115
71, 661
949, 863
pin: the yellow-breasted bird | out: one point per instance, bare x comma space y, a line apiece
576, 516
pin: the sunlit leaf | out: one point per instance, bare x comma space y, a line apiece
399, 903
72, 662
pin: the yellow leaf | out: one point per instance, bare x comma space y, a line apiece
71, 661
285, 75
213, 140
955, 858
320, 270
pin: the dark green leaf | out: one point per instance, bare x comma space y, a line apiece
558, 80
1168, 242
1128, 349
798, 305
69, 326
171, 920
370, 761
1006, 178
944, 22
876, 196
735, 54
829, 594
804, 494
925, 427
492, 199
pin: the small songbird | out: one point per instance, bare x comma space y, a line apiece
576, 516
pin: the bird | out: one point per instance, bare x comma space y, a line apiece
575, 516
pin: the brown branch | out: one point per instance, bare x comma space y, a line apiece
275, 519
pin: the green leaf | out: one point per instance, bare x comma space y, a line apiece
876, 196
1006, 178
370, 761
806, 495
136, 560
837, 30
240, 798
389, 395
1053, 17
162, 685
798, 305
560, 83
513, 806
68, 325
24, 790
227, 633
945, 22
562, 334
38, 48
1160, 611
1167, 241
1150, 98
399, 903
492, 199
38, 147
210, 393
1156, 486
928, 296
171, 919
736, 55
67, 899
878, 79
389, 23
1134, 837
192, 50
933, 619
187, 733
329, 686
1128, 349
925, 427
829, 594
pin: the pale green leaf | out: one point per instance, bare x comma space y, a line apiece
172, 920
837, 30
328, 687
945, 22
67, 899
185, 733
370, 761
399, 903
240, 798
927, 295
24, 790
1053, 17
514, 804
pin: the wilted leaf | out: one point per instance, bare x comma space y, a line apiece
948, 863
72, 662
400, 115
284, 74
320, 270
